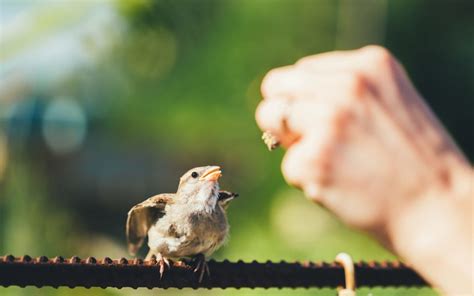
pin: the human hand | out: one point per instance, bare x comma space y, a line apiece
362, 142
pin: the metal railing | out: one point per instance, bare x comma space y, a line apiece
135, 273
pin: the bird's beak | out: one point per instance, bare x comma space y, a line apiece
213, 174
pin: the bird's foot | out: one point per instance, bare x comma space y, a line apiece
201, 267
164, 263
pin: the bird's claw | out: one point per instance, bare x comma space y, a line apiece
164, 263
201, 267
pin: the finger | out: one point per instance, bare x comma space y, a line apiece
290, 119
330, 62
282, 82
306, 164
272, 116
301, 114
371, 63
292, 84
311, 117
371, 56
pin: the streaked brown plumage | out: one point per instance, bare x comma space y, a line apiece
189, 223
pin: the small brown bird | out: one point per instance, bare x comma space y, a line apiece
190, 223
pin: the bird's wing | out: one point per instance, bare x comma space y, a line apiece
225, 197
142, 216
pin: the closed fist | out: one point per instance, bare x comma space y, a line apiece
359, 138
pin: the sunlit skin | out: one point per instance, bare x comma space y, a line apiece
361, 142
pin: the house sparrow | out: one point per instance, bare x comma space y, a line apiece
190, 223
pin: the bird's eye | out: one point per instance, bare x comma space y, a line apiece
194, 174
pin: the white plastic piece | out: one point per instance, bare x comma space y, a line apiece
346, 261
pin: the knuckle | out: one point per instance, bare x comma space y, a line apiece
306, 163
305, 60
271, 79
376, 50
260, 114
378, 55
355, 86
340, 121
290, 168
314, 191
268, 116
293, 166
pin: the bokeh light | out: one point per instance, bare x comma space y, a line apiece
106, 103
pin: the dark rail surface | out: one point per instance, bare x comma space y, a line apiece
136, 273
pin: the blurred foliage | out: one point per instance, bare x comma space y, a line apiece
175, 86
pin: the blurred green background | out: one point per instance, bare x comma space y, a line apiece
105, 103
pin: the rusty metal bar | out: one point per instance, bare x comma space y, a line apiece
135, 273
